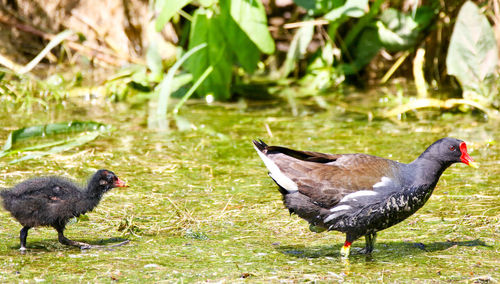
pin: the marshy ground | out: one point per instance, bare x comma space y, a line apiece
200, 206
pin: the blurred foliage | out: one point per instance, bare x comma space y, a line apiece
349, 35
473, 56
318, 46
25, 90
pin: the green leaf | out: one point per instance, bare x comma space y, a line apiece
366, 48
193, 88
179, 81
51, 129
246, 52
166, 87
168, 8
85, 131
361, 24
207, 28
397, 31
425, 15
250, 15
473, 54
351, 9
298, 47
67, 145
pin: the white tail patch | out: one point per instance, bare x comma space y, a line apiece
275, 172
358, 194
337, 209
383, 182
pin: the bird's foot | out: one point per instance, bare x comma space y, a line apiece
22, 249
366, 250
120, 244
65, 241
84, 246
87, 246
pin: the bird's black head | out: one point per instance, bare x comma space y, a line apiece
104, 180
448, 151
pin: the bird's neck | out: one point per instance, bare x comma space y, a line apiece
425, 173
421, 177
91, 199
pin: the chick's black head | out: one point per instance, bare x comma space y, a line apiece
106, 180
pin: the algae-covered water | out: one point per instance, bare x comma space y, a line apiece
200, 206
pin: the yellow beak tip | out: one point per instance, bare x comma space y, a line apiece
474, 165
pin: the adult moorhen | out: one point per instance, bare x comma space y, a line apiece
52, 201
357, 194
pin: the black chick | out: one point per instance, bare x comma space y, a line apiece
53, 201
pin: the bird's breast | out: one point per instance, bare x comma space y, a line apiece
376, 213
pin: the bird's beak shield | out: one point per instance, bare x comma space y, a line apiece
466, 158
120, 183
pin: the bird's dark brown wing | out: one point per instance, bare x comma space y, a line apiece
327, 178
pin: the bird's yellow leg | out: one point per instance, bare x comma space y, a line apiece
345, 250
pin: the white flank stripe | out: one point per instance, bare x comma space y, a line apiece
357, 194
276, 173
336, 209
329, 218
383, 182
339, 208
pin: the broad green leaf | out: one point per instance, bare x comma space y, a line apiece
31, 148
250, 15
168, 8
67, 145
425, 15
351, 9
298, 47
246, 52
51, 129
366, 48
207, 28
473, 54
397, 31
83, 131
361, 24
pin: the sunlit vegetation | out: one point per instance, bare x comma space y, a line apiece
169, 94
200, 205
228, 49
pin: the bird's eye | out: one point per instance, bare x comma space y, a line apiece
452, 148
103, 182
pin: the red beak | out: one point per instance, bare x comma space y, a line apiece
465, 158
120, 183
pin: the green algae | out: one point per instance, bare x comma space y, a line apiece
200, 206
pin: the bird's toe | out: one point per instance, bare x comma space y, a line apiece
85, 246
